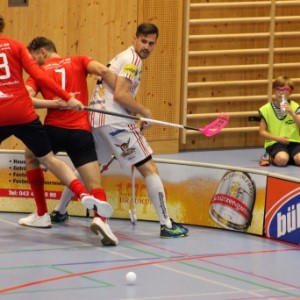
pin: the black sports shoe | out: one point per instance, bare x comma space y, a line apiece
177, 230
57, 217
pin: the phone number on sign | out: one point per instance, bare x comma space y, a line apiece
27, 194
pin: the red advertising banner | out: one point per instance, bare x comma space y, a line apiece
282, 217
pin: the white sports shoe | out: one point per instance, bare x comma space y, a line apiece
34, 220
98, 226
103, 208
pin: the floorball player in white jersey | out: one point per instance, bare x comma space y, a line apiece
122, 137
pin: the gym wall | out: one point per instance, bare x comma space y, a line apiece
211, 56
101, 29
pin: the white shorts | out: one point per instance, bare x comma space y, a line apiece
124, 140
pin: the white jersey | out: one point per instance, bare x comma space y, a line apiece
126, 64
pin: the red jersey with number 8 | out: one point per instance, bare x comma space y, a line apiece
15, 103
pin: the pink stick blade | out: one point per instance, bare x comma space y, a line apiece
216, 126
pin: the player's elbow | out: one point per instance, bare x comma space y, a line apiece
120, 97
117, 97
261, 132
104, 71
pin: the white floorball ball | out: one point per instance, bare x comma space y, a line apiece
130, 278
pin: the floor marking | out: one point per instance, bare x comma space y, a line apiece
182, 260
251, 274
159, 263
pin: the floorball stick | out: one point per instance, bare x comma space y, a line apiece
105, 167
209, 130
132, 211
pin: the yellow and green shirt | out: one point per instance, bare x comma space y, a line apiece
280, 125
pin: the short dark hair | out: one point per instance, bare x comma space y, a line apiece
41, 42
2, 23
147, 28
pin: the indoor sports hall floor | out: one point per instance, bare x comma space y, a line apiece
68, 261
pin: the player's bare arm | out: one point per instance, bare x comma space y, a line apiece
99, 69
268, 136
43, 103
296, 117
31, 91
122, 96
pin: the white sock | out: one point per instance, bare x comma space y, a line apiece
65, 198
157, 195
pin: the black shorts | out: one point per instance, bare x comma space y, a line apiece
78, 144
291, 149
32, 134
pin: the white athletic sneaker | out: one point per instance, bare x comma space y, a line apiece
98, 226
33, 220
103, 208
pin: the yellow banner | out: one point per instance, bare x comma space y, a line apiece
196, 195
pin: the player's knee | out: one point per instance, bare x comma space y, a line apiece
297, 159
30, 158
281, 160
148, 168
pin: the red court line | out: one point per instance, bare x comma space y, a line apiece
203, 258
17, 287
158, 262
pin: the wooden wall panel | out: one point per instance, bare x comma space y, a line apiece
160, 89
231, 63
39, 18
101, 29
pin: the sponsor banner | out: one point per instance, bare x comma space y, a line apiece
15, 192
196, 195
282, 219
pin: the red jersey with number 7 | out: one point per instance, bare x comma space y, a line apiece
71, 74
15, 103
